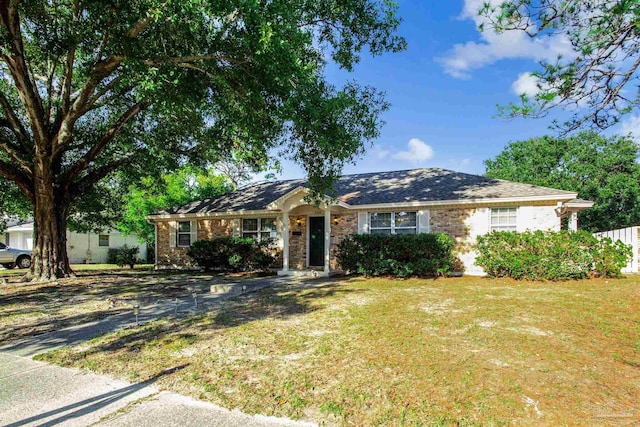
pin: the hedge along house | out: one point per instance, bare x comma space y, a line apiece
411, 201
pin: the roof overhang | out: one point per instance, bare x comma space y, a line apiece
566, 201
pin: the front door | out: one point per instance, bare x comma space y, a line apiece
316, 241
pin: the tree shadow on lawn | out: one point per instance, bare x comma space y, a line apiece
90, 296
275, 303
87, 406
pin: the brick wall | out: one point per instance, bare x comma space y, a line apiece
341, 226
297, 243
168, 256
177, 257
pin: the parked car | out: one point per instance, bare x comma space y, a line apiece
10, 257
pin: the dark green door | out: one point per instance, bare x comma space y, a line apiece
316, 241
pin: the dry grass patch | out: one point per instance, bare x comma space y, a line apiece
465, 351
98, 291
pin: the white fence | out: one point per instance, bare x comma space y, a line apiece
628, 236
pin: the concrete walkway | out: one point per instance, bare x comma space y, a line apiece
71, 335
38, 394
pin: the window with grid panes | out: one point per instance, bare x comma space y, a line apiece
260, 229
184, 233
393, 222
504, 219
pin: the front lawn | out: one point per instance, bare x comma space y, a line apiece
98, 291
471, 351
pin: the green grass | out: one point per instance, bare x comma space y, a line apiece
467, 351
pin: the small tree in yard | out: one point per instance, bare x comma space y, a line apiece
93, 87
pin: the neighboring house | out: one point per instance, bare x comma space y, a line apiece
412, 201
82, 248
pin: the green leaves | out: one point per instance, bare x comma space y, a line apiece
600, 169
592, 82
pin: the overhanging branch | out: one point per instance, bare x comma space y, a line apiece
93, 152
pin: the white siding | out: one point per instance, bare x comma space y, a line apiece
538, 218
83, 247
478, 224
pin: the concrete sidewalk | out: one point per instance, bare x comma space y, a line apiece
71, 335
37, 394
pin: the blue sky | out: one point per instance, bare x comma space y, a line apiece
444, 90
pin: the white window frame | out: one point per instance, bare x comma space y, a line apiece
504, 211
100, 236
257, 234
393, 226
179, 233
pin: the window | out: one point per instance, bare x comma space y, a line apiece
504, 219
2, 246
103, 240
184, 234
260, 229
393, 222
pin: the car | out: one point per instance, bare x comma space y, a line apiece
10, 257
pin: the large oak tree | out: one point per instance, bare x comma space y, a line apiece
89, 87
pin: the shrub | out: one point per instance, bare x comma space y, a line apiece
231, 254
122, 256
548, 255
396, 255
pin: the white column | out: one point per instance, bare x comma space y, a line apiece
327, 238
573, 221
285, 242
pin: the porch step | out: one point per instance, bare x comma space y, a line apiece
304, 273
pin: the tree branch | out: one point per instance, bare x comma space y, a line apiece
93, 152
94, 176
23, 181
16, 125
15, 60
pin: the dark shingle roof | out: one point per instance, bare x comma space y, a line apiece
416, 185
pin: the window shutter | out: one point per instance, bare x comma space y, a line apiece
423, 222
236, 223
172, 234
363, 223
194, 231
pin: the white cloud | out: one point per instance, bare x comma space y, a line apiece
631, 126
418, 152
492, 47
526, 84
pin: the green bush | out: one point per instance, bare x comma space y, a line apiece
232, 254
122, 256
397, 255
548, 255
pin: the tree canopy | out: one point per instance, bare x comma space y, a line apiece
90, 87
600, 169
175, 189
598, 81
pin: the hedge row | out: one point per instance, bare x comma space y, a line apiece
423, 255
231, 254
547, 255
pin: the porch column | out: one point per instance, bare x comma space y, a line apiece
327, 239
285, 242
573, 221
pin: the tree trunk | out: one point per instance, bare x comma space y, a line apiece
49, 259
